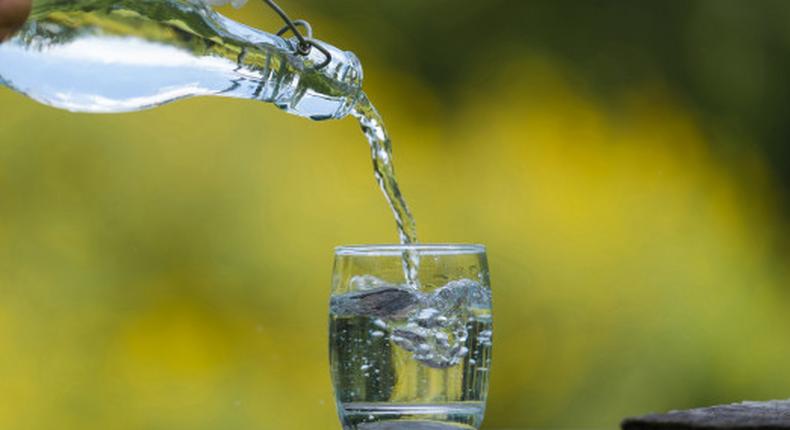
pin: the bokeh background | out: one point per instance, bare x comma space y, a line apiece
626, 163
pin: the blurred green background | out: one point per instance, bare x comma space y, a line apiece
625, 162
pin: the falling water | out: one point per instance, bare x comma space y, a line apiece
381, 153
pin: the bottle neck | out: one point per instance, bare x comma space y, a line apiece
292, 81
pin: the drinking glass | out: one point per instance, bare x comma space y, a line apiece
410, 355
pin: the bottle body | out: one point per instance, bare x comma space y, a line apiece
127, 55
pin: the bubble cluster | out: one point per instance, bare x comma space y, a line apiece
432, 326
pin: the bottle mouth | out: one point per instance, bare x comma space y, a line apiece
419, 249
355, 65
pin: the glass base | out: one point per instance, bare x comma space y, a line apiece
404, 416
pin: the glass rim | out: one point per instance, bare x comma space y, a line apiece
375, 250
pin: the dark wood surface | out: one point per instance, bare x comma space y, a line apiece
773, 414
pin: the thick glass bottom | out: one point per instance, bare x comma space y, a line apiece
404, 416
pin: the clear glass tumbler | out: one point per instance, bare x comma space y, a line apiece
407, 356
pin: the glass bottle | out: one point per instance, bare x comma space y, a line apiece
128, 55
